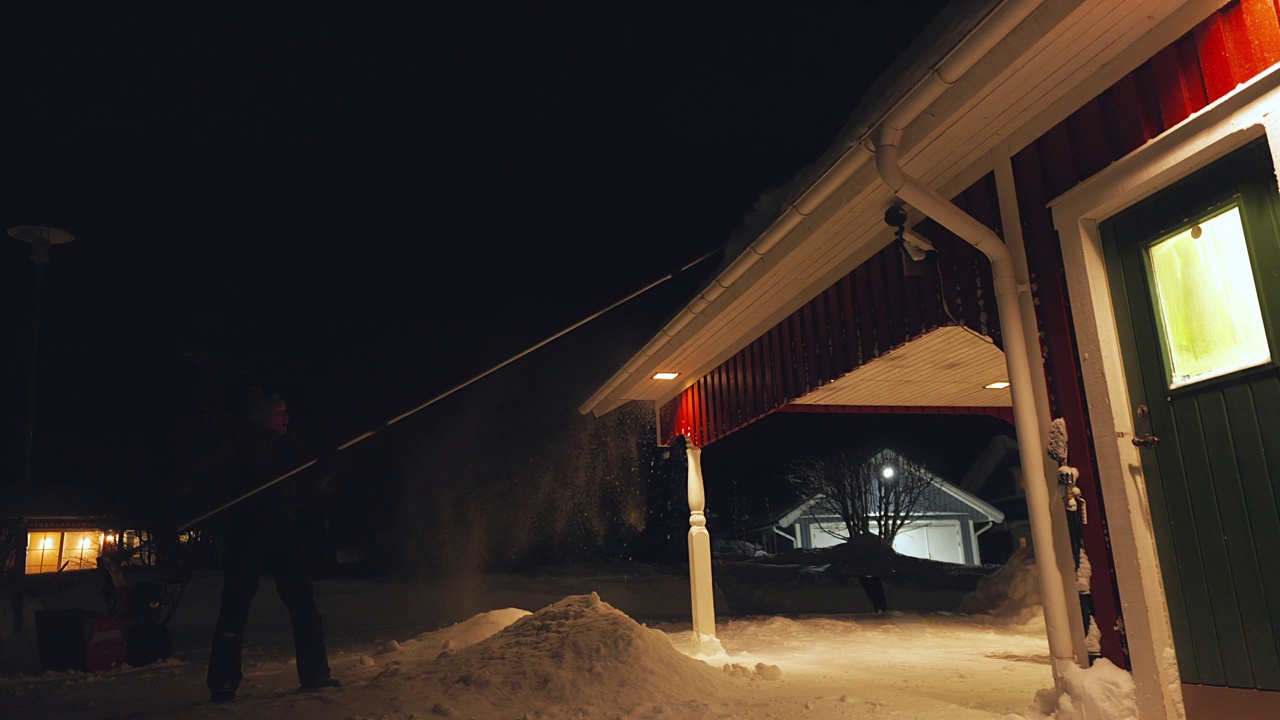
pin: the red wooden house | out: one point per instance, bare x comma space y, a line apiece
1096, 179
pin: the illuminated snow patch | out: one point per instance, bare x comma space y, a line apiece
580, 650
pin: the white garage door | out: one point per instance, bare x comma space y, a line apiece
942, 541
938, 540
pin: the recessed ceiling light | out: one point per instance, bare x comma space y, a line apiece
997, 385
665, 376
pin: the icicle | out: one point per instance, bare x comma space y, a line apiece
1084, 573
1057, 447
1093, 640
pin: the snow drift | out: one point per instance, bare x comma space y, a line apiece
577, 657
579, 651
1010, 594
1102, 692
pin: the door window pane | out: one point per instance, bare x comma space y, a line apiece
1207, 301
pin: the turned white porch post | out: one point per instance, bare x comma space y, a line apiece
701, 592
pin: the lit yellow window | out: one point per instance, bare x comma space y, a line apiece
80, 550
43, 551
1211, 322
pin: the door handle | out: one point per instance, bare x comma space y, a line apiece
1148, 440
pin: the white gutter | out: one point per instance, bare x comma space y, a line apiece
945, 74
795, 543
1040, 502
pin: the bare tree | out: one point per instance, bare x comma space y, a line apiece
884, 488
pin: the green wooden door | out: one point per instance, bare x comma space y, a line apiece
1195, 274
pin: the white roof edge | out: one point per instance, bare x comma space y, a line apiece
993, 513
795, 513
917, 63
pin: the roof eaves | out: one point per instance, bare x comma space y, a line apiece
911, 68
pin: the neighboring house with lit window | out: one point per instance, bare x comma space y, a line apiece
62, 538
1091, 188
63, 544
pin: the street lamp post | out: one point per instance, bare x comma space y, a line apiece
40, 237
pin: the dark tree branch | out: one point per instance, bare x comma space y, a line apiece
852, 486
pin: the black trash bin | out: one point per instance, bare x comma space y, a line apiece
62, 637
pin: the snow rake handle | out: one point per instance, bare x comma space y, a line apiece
191, 523
370, 433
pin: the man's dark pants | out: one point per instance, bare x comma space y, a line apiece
239, 584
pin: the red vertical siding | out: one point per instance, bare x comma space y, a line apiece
866, 326
865, 314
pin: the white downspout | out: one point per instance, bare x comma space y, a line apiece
795, 544
1040, 502
1011, 219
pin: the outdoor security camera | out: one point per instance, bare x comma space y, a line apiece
895, 217
917, 246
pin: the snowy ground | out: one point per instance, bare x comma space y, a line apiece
575, 656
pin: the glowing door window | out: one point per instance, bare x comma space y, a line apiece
1210, 319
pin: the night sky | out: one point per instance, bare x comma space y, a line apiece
365, 208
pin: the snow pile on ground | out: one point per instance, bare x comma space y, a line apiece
580, 650
1011, 594
1102, 692
472, 630
577, 657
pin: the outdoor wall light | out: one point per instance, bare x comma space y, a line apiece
998, 385
665, 376
887, 473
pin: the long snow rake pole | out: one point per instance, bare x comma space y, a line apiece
370, 433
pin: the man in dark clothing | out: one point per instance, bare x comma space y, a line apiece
263, 534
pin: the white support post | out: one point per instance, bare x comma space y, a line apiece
701, 590
1011, 220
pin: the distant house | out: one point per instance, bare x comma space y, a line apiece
946, 529
68, 543
57, 544
68, 535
